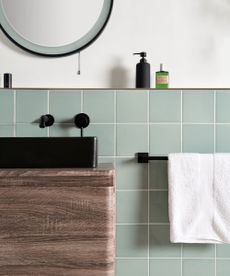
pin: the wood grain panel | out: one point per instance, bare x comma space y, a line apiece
55, 225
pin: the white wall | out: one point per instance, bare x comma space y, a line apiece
191, 37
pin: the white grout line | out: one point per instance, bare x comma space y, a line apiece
159, 223
181, 148
131, 258
214, 119
15, 114
131, 224
185, 258
148, 179
141, 223
146, 124
115, 123
115, 166
142, 190
48, 101
82, 101
215, 260
171, 258
160, 123
138, 123
214, 152
187, 124
181, 260
48, 110
148, 120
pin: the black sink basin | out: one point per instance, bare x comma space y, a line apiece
55, 152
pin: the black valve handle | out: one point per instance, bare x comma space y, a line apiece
81, 121
46, 121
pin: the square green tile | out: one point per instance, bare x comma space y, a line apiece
223, 138
64, 130
199, 268
158, 207
223, 251
132, 106
30, 105
165, 106
222, 106
30, 130
160, 245
165, 139
105, 134
165, 268
6, 131
132, 207
130, 174
99, 105
222, 268
132, 267
198, 138
199, 250
158, 174
6, 107
198, 106
132, 241
131, 139
64, 105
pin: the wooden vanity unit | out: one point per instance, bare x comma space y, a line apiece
57, 222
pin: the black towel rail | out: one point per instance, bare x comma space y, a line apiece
143, 157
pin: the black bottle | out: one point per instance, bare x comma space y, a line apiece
142, 72
7, 80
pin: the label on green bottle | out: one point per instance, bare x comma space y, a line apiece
162, 79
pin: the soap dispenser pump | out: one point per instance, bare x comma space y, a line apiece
142, 71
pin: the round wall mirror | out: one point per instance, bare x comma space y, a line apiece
54, 27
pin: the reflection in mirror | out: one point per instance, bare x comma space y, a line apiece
52, 23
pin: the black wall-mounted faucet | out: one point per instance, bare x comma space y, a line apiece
81, 121
46, 121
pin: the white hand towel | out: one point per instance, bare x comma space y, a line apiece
222, 197
199, 198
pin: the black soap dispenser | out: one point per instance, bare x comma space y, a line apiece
142, 72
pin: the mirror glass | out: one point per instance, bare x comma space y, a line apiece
54, 26
52, 22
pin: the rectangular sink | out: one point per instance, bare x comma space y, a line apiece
48, 152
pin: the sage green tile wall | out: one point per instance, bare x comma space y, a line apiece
128, 121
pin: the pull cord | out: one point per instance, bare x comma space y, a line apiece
79, 64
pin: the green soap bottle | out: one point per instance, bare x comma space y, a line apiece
162, 78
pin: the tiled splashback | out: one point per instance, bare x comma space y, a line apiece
127, 122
